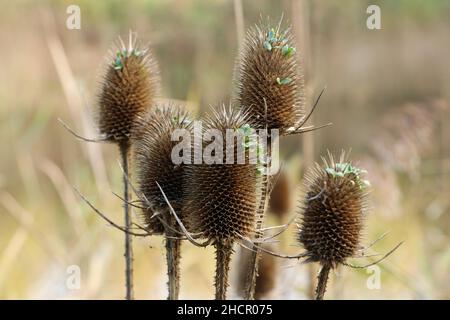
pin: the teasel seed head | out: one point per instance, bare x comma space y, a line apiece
222, 199
268, 271
153, 146
129, 87
280, 197
333, 211
267, 74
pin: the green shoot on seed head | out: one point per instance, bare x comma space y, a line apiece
124, 53
284, 81
176, 120
267, 45
250, 140
276, 40
346, 169
287, 51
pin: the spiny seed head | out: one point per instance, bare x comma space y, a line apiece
222, 198
280, 197
268, 77
333, 211
268, 271
152, 148
129, 86
267, 274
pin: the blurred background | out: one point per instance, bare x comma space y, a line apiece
387, 97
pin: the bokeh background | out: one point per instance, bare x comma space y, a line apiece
387, 97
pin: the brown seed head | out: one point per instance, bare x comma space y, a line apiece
129, 87
280, 197
222, 198
153, 147
267, 74
333, 211
268, 271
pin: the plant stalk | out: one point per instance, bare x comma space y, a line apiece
124, 150
173, 257
322, 281
224, 249
252, 274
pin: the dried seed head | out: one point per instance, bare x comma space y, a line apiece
268, 75
333, 211
129, 87
280, 197
267, 274
153, 147
222, 198
268, 271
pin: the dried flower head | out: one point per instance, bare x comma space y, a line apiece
280, 197
268, 272
268, 79
129, 86
153, 147
222, 198
333, 211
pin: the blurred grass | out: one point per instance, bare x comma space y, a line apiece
369, 74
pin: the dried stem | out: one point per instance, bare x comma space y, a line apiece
239, 17
249, 288
173, 257
224, 249
322, 281
124, 148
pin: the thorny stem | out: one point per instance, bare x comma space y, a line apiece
249, 291
224, 249
173, 257
124, 148
322, 281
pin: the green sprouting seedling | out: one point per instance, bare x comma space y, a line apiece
284, 81
278, 41
118, 65
137, 53
246, 131
346, 169
124, 53
267, 45
287, 50
249, 141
